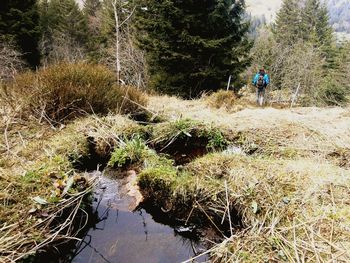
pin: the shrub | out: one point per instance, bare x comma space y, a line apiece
222, 99
332, 93
64, 91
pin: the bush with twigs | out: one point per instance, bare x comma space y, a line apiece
64, 91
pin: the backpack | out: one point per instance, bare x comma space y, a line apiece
261, 82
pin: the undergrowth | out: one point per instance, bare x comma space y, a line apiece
227, 100
130, 152
63, 91
41, 192
284, 204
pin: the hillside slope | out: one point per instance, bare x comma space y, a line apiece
339, 11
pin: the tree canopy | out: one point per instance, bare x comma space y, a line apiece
192, 47
19, 24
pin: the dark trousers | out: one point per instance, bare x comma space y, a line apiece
260, 91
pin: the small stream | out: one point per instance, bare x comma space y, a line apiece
120, 235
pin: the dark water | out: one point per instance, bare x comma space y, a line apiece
123, 236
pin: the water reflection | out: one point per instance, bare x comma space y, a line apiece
119, 235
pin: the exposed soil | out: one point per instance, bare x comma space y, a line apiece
94, 159
184, 150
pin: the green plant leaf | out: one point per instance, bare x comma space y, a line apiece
40, 200
70, 183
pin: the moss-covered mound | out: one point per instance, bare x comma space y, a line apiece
284, 207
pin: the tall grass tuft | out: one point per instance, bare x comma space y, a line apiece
222, 99
64, 91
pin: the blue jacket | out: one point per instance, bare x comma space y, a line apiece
266, 79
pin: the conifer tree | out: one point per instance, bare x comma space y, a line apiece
91, 7
192, 47
287, 26
65, 16
92, 12
315, 24
19, 23
317, 29
62, 23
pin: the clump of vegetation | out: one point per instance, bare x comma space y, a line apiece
130, 152
333, 93
165, 134
222, 99
98, 136
283, 142
48, 195
229, 100
41, 190
64, 91
180, 193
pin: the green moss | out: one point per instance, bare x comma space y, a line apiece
161, 177
31, 177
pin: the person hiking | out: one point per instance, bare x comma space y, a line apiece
261, 81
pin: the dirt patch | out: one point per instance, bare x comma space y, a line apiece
340, 157
94, 159
184, 150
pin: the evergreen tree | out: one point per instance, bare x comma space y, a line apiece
315, 24
66, 17
306, 21
192, 47
317, 29
288, 21
91, 7
62, 22
92, 11
341, 70
19, 23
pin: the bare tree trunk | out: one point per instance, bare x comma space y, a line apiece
114, 3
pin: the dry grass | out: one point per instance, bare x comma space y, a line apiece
292, 193
64, 91
229, 101
316, 131
41, 193
290, 210
289, 199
